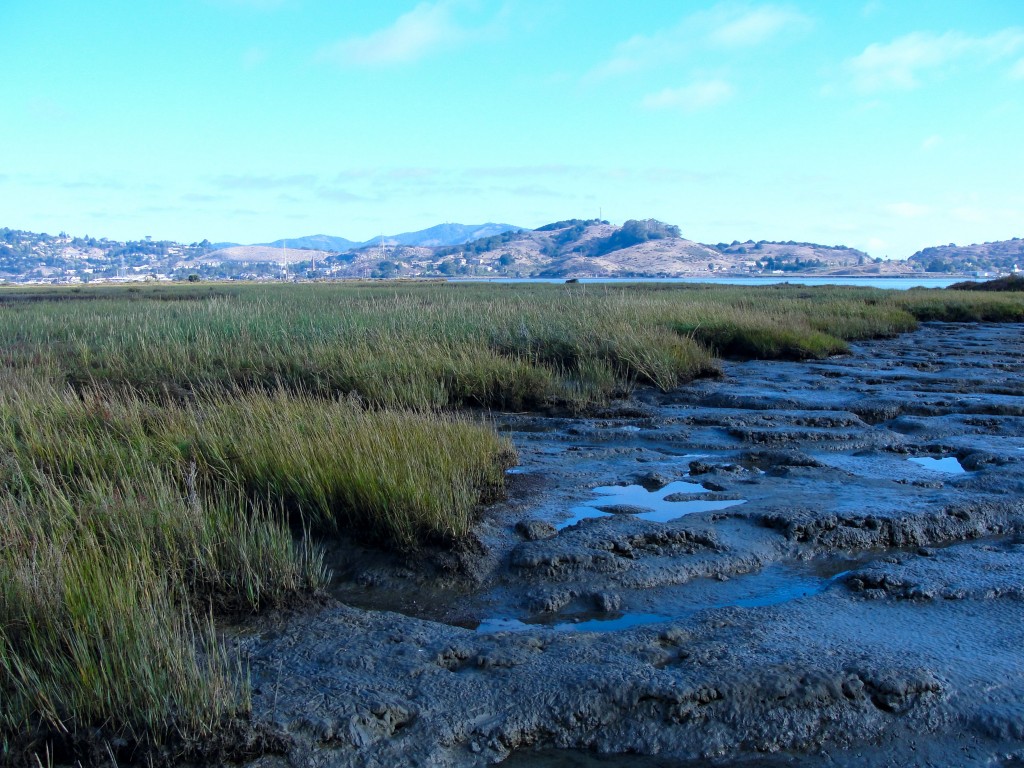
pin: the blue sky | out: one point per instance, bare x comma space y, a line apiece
888, 125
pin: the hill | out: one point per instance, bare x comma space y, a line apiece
796, 257
447, 234
570, 248
999, 257
439, 235
585, 248
596, 248
315, 243
562, 249
253, 254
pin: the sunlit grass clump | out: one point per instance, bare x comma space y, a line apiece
127, 524
94, 633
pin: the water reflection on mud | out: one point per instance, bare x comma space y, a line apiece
659, 506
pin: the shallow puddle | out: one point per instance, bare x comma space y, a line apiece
773, 585
647, 505
948, 464
607, 622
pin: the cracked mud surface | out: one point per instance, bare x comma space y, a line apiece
751, 571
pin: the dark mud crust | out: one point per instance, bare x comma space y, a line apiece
890, 633
235, 740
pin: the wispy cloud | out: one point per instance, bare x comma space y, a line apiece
92, 184
872, 8
534, 190
254, 181
337, 195
932, 142
531, 171
755, 25
428, 28
903, 63
1017, 72
727, 25
259, 5
690, 98
198, 197
552, 173
971, 214
906, 210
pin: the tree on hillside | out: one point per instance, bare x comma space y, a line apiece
634, 232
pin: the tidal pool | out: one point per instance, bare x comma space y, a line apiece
647, 505
948, 464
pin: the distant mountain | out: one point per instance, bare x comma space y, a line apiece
447, 234
440, 235
1001, 256
315, 243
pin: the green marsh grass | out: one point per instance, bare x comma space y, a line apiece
94, 632
127, 523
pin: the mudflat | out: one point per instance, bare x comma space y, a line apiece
800, 563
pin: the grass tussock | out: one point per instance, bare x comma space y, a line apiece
165, 451
97, 632
966, 306
127, 523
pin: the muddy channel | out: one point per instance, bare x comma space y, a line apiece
800, 564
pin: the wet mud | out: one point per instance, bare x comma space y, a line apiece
799, 564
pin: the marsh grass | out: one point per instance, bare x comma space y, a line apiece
433, 346
96, 631
127, 523
165, 452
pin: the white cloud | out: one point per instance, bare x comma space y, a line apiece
1017, 72
336, 194
901, 64
971, 214
727, 25
263, 182
872, 8
908, 210
932, 142
426, 29
259, 5
756, 25
692, 97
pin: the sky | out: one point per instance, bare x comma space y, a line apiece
886, 125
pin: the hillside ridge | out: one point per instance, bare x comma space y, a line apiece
563, 249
